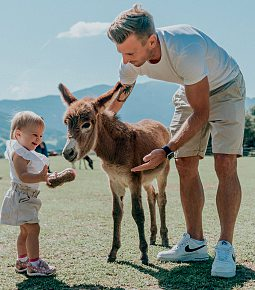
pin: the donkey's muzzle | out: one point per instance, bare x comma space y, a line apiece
69, 155
69, 152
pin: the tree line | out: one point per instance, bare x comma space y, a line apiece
249, 131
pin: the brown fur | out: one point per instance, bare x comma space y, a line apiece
121, 146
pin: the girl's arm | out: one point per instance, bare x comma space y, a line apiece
20, 165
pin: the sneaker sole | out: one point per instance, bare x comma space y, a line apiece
20, 271
40, 274
223, 275
184, 259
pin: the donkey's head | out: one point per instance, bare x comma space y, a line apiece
81, 120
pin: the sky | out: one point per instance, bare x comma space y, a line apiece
46, 42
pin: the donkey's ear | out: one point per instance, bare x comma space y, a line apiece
67, 96
104, 100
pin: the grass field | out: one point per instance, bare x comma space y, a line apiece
76, 236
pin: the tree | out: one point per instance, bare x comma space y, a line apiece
252, 110
249, 131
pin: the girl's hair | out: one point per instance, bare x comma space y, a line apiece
24, 119
133, 21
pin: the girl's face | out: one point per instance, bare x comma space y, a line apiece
30, 137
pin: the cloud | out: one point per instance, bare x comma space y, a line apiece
19, 91
84, 29
21, 87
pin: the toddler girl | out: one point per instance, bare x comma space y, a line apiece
21, 203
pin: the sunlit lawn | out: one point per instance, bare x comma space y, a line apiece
76, 236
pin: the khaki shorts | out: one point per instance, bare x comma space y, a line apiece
226, 121
20, 206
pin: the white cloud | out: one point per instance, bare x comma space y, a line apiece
19, 91
84, 29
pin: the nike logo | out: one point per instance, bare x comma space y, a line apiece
189, 250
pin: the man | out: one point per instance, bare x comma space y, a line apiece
210, 100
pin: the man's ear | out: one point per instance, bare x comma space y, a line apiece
153, 40
102, 102
66, 95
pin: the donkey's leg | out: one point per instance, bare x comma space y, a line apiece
151, 198
118, 193
85, 166
138, 215
161, 199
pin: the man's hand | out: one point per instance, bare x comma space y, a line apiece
121, 97
152, 160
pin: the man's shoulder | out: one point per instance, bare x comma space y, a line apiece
175, 28
178, 37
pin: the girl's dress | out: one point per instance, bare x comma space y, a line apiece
21, 204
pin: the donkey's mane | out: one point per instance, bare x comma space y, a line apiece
115, 126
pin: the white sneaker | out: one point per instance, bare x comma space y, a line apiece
186, 250
224, 264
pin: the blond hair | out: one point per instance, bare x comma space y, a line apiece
24, 119
133, 21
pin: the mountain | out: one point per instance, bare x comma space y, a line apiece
150, 100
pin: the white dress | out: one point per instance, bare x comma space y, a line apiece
20, 204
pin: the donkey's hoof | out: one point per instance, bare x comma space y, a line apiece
145, 261
152, 241
165, 243
111, 259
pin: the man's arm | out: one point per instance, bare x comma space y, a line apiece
198, 98
121, 97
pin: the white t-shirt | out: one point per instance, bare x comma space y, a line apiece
187, 56
36, 161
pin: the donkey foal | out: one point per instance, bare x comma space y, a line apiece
120, 146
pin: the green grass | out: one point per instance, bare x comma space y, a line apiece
76, 236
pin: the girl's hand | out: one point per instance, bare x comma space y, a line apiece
44, 173
50, 175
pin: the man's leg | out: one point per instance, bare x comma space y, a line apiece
228, 195
191, 189
192, 195
191, 247
228, 203
227, 120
